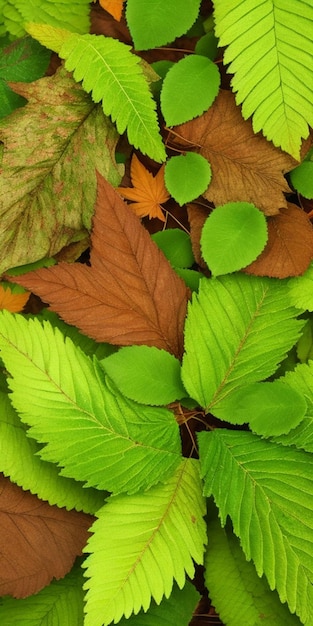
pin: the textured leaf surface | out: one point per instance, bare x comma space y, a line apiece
267, 491
96, 435
269, 51
38, 542
148, 192
237, 330
51, 149
74, 15
62, 602
141, 544
123, 297
152, 24
245, 167
301, 290
19, 460
112, 74
187, 176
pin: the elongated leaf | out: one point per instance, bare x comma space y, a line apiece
141, 544
267, 491
269, 51
96, 435
113, 75
73, 15
238, 329
20, 461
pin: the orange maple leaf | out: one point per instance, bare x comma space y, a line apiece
13, 302
114, 7
148, 191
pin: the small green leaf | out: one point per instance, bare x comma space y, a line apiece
190, 277
207, 46
187, 176
301, 290
270, 408
302, 179
146, 374
189, 88
233, 236
176, 245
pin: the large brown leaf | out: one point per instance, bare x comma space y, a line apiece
245, 167
129, 295
38, 542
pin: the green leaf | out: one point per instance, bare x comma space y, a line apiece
236, 591
187, 176
154, 24
9, 100
301, 290
267, 491
233, 236
270, 408
305, 343
189, 88
302, 179
113, 75
207, 45
96, 435
191, 277
269, 51
73, 15
19, 461
146, 374
176, 245
61, 602
238, 329
141, 544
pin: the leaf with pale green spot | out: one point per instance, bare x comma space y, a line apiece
73, 15
187, 176
95, 434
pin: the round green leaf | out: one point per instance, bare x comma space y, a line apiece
176, 245
187, 176
233, 236
302, 179
207, 45
189, 88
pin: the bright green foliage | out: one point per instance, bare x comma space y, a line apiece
233, 236
269, 408
142, 543
146, 374
191, 277
207, 45
189, 88
157, 23
236, 591
237, 330
301, 290
267, 491
96, 435
304, 348
20, 461
187, 176
24, 60
302, 179
73, 15
176, 245
61, 603
177, 609
113, 75
269, 51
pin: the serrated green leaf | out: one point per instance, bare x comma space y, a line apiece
146, 374
270, 408
233, 236
73, 15
189, 88
302, 179
187, 176
301, 290
237, 330
269, 51
60, 603
113, 75
176, 245
236, 591
97, 436
267, 491
154, 24
19, 461
141, 544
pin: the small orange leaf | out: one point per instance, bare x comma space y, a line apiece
148, 191
13, 302
114, 7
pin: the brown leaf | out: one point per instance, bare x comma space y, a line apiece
289, 249
245, 166
38, 542
197, 216
129, 295
114, 7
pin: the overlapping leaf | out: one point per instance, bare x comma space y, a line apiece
141, 544
97, 436
123, 297
73, 15
47, 183
12, 301
269, 51
114, 7
267, 490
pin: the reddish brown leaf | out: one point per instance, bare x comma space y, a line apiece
38, 542
245, 166
13, 302
129, 295
289, 249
